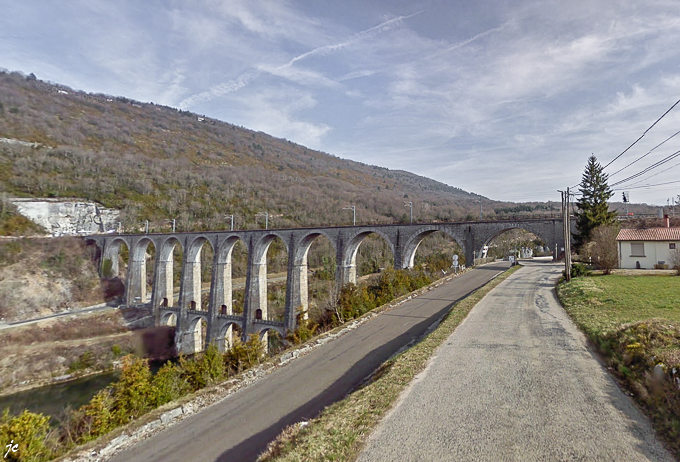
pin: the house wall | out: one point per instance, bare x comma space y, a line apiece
655, 252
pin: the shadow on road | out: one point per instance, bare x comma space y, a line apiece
251, 448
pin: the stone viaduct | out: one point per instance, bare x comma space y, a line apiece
403, 239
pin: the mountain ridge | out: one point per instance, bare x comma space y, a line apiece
158, 163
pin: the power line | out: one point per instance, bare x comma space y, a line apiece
656, 174
651, 167
646, 186
643, 134
645, 155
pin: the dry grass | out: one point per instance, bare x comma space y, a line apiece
341, 430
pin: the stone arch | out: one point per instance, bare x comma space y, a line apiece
222, 297
300, 256
192, 287
164, 286
349, 257
272, 338
272, 304
195, 335
299, 284
139, 278
536, 231
411, 247
262, 246
110, 263
168, 318
227, 334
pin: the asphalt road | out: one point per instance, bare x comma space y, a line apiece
515, 382
240, 427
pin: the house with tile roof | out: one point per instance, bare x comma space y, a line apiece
648, 247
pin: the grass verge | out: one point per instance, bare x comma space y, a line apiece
341, 430
634, 321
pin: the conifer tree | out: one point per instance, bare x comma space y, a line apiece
593, 209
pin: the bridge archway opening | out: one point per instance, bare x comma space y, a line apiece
237, 255
277, 279
195, 339
229, 334
144, 253
170, 257
433, 252
370, 253
273, 341
517, 242
115, 270
169, 319
150, 258
199, 262
316, 259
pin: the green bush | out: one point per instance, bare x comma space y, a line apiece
169, 384
242, 356
31, 432
107, 268
579, 270
355, 301
204, 370
133, 392
84, 361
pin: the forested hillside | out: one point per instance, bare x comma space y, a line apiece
158, 163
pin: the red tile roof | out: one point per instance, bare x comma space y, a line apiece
649, 234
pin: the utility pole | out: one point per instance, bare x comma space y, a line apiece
480, 208
568, 236
266, 218
565, 233
410, 204
232, 220
354, 213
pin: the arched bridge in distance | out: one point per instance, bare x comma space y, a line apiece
403, 240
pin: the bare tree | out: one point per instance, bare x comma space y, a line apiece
603, 248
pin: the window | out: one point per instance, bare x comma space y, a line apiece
637, 249
671, 246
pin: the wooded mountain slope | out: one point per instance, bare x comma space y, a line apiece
157, 163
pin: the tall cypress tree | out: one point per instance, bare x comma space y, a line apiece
593, 209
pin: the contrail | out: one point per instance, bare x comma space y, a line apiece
245, 79
219, 90
368, 33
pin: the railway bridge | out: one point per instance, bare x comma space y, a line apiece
219, 316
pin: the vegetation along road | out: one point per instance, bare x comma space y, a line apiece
240, 427
515, 381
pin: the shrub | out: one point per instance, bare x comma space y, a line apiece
579, 270
85, 361
168, 384
243, 356
132, 393
203, 370
30, 431
116, 350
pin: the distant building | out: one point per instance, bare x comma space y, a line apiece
648, 247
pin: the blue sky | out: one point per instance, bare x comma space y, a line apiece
501, 98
